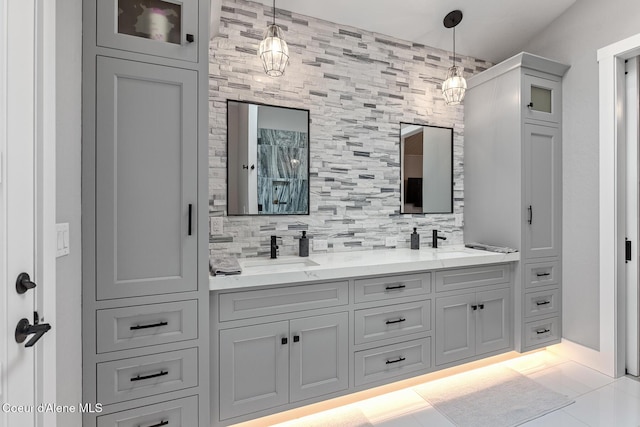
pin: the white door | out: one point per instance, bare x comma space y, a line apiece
27, 191
632, 218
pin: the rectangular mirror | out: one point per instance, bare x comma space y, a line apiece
267, 160
426, 168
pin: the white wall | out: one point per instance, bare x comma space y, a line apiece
574, 39
68, 110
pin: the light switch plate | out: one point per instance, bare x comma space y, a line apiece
62, 239
215, 225
320, 245
391, 241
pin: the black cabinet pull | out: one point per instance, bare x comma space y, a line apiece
24, 283
296, 338
399, 359
474, 307
481, 306
543, 302
543, 331
394, 287
543, 274
190, 38
530, 105
190, 214
530, 221
160, 424
154, 325
390, 322
146, 377
283, 341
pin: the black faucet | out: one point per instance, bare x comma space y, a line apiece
435, 237
274, 247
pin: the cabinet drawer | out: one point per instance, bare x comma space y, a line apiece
264, 302
542, 274
139, 326
392, 360
390, 321
175, 413
542, 302
463, 278
137, 377
382, 288
542, 332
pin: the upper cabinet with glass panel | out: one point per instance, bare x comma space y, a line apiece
164, 28
542, 99
426, 167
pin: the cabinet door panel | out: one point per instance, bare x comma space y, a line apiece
254, 365
542, 99
146, 165
455, 328
319, 356
493, 321
542, 191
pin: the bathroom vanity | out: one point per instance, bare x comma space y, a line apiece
293, 331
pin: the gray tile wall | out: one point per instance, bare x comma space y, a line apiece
358, 87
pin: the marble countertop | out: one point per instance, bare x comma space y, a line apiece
340, 265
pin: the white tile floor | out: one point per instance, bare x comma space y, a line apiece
599, 400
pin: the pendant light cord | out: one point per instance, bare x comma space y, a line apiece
274, 12
454, 45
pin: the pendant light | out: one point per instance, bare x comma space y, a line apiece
273, 50
454, 87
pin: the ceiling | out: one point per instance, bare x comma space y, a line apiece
491, 29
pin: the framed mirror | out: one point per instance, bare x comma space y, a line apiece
426, 168
267, 159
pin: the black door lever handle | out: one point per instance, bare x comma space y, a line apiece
24, 283
24, 329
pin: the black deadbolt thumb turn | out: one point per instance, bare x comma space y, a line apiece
24, 283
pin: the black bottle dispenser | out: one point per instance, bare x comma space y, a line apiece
415, 239
304, 245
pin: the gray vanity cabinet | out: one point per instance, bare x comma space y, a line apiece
513, 184
471, 324
268, 365
145, 296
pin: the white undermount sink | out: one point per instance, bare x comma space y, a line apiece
278, 264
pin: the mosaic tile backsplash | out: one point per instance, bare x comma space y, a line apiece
358, 86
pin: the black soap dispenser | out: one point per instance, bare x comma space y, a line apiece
304, 245
415, 239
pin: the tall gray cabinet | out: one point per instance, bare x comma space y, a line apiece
144, 204
513, 183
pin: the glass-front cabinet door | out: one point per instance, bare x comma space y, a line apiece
542, 99
166, 28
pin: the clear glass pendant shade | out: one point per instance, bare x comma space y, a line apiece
274, 51
454, 87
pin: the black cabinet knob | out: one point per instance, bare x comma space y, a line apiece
190, 38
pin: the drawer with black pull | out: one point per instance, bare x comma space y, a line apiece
388, 287
542, 274
138, 326
175, 413
542, 302
471, 277
137, 377
390, 361
542, 332
390, 321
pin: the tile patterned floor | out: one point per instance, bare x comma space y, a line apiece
599, 400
